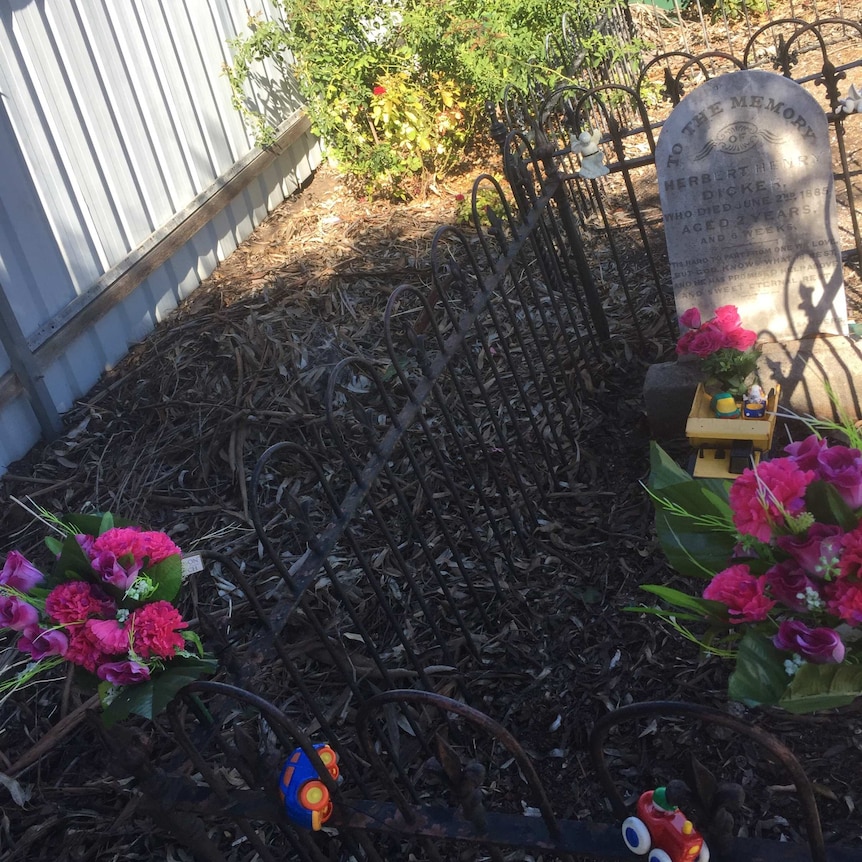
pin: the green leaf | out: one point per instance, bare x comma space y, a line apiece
693, 519
822, 686
148, 699
825, 503
168, 577
664, 471
759, 677
72, 563
107, 523
706, 608
664, 613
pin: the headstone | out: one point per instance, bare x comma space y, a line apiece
746, 188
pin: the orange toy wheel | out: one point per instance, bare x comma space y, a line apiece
314, 796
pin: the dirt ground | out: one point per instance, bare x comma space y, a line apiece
168, 439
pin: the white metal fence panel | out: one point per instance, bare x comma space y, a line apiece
116, 126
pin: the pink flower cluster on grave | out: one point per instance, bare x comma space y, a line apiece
721, 332
106, 607
799, 567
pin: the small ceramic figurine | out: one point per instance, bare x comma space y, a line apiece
754, 403
724, 405
592, 160
662, 828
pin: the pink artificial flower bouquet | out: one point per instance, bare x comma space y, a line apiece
725, 349
107, 609
781, 549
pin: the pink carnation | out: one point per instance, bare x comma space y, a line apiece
108, 635
742, 592
19, 573
158, 546
75, 601
121, 542
84, 649
154, 627
851, 556
130, 547
762, 498
844, 600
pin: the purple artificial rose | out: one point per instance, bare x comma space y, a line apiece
106, 565
41, 643
85, 543
820, 544
806, 453
788, 583
819, 646
19, 573
123, 672
842, 468
17, 614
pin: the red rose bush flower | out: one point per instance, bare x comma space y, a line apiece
726, 350
106, 608
781, 549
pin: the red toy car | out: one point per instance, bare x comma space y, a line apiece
306, 799
663, 831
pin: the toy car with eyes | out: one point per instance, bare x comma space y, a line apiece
306, 798
663, 831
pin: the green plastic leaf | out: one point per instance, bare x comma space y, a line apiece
822, 686
706, 608
107, 523
148, 699
72, 562
825, 503
693, 519
168, 577
759, 677
664, 613
664, 471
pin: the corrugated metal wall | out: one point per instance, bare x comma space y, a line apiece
116, 133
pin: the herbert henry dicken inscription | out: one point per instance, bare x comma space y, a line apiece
746, 188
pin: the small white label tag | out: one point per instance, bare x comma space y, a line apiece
192, 565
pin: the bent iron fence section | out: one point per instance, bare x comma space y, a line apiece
410, 557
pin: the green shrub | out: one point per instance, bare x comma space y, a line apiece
398, 88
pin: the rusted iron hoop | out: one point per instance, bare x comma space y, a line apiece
474, 716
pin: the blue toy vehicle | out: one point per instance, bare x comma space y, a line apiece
306, 798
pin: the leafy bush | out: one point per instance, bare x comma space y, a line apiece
398, 88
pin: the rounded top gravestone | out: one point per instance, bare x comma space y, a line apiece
746, 188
